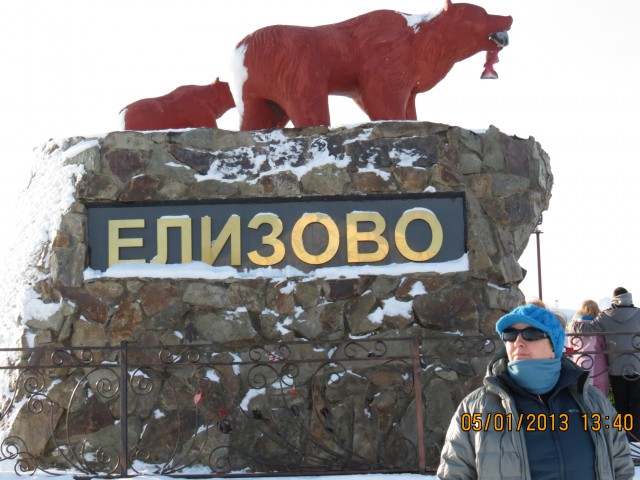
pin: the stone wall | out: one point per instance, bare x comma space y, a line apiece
507, 184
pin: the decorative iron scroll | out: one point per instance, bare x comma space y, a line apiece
364, 405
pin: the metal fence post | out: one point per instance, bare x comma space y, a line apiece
417, 385
124, 448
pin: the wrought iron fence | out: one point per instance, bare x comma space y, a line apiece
292, 408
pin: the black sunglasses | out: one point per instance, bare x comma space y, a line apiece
530, 334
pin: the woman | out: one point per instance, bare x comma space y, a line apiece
595, 361
536, 417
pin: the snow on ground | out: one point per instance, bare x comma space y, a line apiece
375, 476
405, 476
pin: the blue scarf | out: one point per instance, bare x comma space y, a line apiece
535, 376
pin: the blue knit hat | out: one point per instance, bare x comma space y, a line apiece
536, 317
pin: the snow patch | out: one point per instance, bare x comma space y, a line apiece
392, 307
417, 288
251, 394
415, 21
240, 75
202, 270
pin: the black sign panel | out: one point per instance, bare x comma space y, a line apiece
305, 234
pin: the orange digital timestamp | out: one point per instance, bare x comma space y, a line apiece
530, 422
597, 422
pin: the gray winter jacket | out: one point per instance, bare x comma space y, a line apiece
623, 351
501, 454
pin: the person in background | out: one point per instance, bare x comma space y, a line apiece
595, 361
621, 324
532, 417
561, 318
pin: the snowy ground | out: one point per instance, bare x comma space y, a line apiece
4, 474
405, 476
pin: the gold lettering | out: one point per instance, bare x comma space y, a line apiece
271, 239
428, 217
354, 237
230, 232
297, 242
316, 246
116, 243
163, 225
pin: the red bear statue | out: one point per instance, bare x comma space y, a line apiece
189, 106
381, 60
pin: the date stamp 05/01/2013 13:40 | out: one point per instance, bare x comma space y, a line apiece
531, 422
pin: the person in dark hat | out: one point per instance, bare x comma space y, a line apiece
532, 418
621, 326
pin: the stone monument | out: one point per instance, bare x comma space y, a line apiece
245, 240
